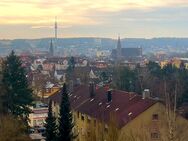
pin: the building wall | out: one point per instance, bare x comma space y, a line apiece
49, 92
150, 124
38, 117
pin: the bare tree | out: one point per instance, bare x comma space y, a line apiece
176, 126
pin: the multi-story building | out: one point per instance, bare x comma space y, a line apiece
49, 90
38, 116
133, 113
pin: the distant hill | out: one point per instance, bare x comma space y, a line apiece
148, 45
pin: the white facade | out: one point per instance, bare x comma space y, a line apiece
38, 116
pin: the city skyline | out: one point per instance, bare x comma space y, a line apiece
84, 18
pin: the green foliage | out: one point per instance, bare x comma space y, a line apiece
51, 127
71, 64
126, 79
3, 106
18, 95
154, 69
71, 69
169, 72
183, 80
65, 118
162, 73
173, 77
104, 76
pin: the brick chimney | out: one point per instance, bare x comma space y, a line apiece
109, 95
146, 94
91, 89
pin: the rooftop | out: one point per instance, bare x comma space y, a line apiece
126, 106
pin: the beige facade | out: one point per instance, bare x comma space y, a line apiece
151, 125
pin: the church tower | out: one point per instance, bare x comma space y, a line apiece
118, 48
51, 50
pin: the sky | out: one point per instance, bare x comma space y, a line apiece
93, 18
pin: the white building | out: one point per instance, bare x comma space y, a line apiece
38, 116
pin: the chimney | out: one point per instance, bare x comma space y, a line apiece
71, 85
109, 95
146, 94
78, 81
91, 89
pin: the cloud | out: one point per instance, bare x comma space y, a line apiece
71, 11
88, 15
49, 26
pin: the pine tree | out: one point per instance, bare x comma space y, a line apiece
18, 95
50, 125
3, 102
65, 118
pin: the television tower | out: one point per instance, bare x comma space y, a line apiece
55, 26
55, 36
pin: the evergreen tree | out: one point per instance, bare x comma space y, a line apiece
71, 68
65, 118
3, 102
154, 69
18, 95
50, 125
125, 79
72, 63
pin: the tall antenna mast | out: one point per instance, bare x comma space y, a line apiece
55, 26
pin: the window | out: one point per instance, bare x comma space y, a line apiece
88, 133
155, 117
82, 131
34, 122
106, 128
47, 90
82, 117
95, 123
78, 114
88, 119
74, 119
154, 135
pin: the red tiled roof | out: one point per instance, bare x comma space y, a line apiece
40, 111
126, 106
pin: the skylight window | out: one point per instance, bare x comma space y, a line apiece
117, 109
70, 94
129, 114
100, 103
91, 99
108, 106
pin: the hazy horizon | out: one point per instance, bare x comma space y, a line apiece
115, 38
33, 19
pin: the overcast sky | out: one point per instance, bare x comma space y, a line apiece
93, 18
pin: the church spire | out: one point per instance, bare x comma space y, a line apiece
119, 47
51, 50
